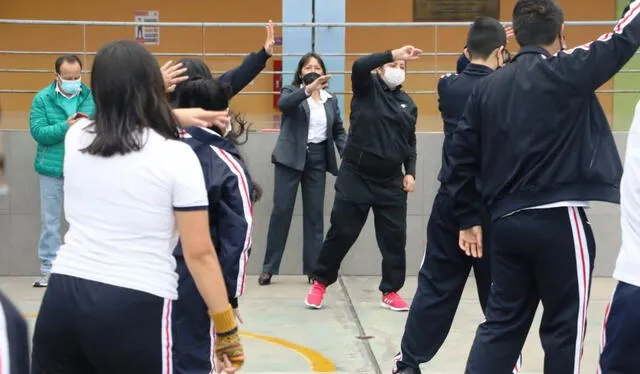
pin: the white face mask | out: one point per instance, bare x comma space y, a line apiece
393, 77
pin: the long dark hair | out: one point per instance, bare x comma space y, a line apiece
196, 69
128, 90
210, 94
297, 78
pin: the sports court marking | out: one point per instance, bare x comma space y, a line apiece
318, 362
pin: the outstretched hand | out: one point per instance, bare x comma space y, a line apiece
201, 117
271, 40
408, 52
318, 84
172, 75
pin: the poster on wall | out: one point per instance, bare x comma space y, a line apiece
454, 10
149, 35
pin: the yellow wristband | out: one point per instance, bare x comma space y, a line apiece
224, 321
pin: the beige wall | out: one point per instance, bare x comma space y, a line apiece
243, 40
451, 39
179, 40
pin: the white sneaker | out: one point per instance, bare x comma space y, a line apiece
43, 281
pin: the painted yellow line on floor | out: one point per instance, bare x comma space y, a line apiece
319, 363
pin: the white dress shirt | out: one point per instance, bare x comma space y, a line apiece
317, 118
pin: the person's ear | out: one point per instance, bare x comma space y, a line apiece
466, 54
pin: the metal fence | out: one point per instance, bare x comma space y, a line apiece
203, 53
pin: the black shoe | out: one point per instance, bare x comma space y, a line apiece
265, 279
407, 371
309, 279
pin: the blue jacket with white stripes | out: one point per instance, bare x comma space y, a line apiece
229, 190
534, 132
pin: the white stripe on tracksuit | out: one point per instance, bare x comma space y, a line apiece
583, 267
5, 359
618, 28
167, 338
603, 336
243, 186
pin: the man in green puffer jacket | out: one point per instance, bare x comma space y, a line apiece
54, 109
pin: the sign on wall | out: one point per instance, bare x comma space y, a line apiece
149, 35
454, 10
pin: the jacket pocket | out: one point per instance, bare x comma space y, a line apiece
43, 154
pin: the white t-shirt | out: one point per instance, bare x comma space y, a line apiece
628, 263
121, 211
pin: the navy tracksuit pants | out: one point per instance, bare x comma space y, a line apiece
87, 327
537, 255
193, 328
620, 332
14, 341
441, 280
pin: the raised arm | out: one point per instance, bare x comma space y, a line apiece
291, 96
589, 66
239, 77
361, 70
362, 67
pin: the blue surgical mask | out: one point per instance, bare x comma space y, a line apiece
70, 86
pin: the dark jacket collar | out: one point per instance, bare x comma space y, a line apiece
477, 69
532, 49
211, 137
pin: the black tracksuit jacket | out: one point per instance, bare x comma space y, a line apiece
535, 133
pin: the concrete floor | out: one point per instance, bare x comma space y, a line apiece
351, 334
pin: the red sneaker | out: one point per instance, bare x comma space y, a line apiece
393, 301
315, 295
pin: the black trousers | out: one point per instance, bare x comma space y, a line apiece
87, 327
313, 179
620, 331
14, 339
537, 255
356, 194
441, 280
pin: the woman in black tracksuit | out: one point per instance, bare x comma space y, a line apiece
382, 139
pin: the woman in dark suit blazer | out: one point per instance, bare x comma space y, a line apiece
310, 126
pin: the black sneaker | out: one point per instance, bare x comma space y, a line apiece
264, 279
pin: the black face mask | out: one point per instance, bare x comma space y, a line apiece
307, 79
